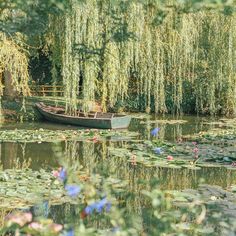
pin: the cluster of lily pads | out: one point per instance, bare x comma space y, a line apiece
73, 191
207, 210
44, 135
26, 188
204, 211
188, 151
22, 188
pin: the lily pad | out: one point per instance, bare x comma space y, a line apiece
43, 135
25, 191
169, 122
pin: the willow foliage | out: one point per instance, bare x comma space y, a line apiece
114, 50
13, 60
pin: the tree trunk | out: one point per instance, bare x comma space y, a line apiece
9, 90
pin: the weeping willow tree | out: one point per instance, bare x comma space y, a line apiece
20, 26
114, 50
13, 61
13, 66
170, 57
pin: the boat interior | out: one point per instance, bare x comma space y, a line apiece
91, 114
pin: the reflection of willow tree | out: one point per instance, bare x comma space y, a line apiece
171, 178
96, 158
85, 154
9, 155
13, 156
115, 47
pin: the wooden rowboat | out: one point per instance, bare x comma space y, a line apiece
91, 119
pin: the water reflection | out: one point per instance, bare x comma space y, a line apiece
95, 158
32, 155
171, 132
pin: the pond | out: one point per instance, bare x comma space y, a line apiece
95, 155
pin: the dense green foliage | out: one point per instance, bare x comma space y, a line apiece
153, 55
174, 56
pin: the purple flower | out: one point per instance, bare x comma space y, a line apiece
72, 190
157, 150
155, 131
62, 175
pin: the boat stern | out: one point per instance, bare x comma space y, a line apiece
120, 122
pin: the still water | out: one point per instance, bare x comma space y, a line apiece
94, 156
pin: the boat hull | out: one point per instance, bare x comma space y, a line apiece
101, 123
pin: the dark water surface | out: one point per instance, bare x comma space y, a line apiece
93, 156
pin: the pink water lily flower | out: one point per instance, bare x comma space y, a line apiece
170, 158
20, 218
61, 174
36, 226
195, 150
55, 228
55, 173
233, 164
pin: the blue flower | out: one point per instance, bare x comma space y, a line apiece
69, 233
90, 208
100, 205
62, 175
157, 150
155, 131
72, 190
108, 207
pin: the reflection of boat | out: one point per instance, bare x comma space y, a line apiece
90, 119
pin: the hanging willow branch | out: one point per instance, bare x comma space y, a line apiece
13, 60
110, 48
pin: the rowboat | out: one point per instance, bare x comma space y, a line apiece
91, 119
